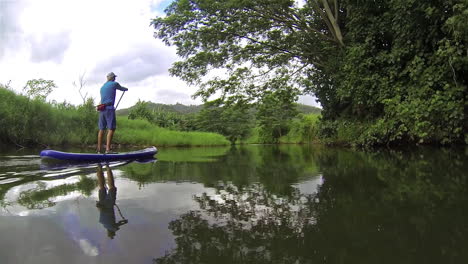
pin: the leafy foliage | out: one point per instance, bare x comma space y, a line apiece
39, 88
176, 108
161, 117
275, 111
232, 121
140, 111
32, 121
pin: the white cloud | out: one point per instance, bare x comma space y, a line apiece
309, 100
49, 47
60, 40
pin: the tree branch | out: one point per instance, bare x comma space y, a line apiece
334, 22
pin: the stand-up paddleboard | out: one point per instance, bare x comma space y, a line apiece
78, 157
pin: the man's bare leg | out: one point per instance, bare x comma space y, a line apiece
99, 141
110, 134
100, 177
110, 178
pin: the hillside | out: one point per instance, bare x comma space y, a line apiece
308, 109
176, 108
193, 109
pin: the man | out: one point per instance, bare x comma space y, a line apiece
107, 116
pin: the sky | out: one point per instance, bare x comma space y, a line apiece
61, 40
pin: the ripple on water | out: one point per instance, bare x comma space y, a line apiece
61, 173
19, 161
9, 180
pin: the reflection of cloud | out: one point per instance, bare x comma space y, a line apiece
311, 186
88, 248
135, 65
50, 47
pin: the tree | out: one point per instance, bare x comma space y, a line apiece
39, 88
140, 111
257, 43
232, 121
80, 85
275, 112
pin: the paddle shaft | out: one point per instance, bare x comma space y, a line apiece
119, 100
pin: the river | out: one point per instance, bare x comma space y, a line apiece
249, 204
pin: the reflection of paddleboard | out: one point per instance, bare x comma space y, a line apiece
68, 156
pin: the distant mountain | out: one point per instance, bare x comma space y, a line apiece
308, 109
193, 109
176, 108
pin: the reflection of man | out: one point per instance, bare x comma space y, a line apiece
106, 202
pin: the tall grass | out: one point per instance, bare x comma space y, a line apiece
142, 132
25, 121
302, 129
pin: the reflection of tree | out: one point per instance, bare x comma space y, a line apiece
249, 226
402, 205
276, 167
371, 208
40, 197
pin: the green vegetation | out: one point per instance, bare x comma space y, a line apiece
39, 88
301, 129
142, 132
40, 197
232, 121
175, 108
385, 72
32, 121
275, 111
267, 122
26, 121
165, 117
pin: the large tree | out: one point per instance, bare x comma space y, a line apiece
255, 43
232, 121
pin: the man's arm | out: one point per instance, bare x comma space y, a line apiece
121, 88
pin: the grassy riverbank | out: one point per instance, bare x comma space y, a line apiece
142, 132
30, 122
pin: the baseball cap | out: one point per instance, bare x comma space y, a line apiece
111, 74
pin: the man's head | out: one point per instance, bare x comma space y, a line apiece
111, 76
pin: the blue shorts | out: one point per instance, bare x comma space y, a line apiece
107, 119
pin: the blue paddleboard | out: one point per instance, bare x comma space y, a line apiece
69, 156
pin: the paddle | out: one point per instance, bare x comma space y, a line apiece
119, 100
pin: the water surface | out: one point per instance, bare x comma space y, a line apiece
251, 204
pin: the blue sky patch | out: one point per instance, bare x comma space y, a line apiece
161, 6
